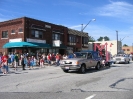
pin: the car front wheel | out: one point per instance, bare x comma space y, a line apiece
97, 66
82, 69
66, 71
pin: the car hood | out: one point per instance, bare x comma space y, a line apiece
75, 59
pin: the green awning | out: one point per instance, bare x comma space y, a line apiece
62, 46
18, 44
41, 45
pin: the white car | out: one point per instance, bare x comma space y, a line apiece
121, 58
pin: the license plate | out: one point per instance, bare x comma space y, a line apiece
66, 67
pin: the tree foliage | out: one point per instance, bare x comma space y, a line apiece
105, 38
91, 39
125, 45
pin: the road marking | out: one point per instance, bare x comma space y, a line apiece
90, 97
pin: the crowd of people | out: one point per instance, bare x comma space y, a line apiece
26, 60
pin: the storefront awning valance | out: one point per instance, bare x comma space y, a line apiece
18, 44
61, 46
42, 45
26, 44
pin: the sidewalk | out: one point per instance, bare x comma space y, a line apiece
19, 68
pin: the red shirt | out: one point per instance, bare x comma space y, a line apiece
57, 57
4, 58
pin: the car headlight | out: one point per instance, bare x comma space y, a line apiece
77, 63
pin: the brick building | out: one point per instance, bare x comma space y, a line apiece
32, 36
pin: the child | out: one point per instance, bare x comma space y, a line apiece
41, 62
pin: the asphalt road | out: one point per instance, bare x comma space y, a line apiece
51, 82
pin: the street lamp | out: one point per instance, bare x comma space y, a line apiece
86, 24
120, 41
123, 38
82, 28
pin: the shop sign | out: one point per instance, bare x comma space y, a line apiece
36, 41
56, 43
48, 26
15, 40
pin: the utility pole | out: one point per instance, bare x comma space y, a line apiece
117, 40
82, 29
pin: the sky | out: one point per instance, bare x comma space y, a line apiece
110, 15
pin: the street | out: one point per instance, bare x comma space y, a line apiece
51, 82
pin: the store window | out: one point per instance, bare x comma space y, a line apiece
12, 31
37, 34
128, 49
56, 36
20, 30
85, 40
4, 34
72, 38
77, 40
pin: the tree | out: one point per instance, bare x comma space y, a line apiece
105, 38
125, 45
100, 38
91, 39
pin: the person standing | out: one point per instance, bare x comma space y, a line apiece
12, 59
65, 56
53, 59
16, 60
41, 62
31, 62
49, 59
23, 62
58, 57
4, 63
35, 62
131, 57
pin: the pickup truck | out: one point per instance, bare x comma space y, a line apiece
82, 61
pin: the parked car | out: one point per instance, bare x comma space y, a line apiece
121, 58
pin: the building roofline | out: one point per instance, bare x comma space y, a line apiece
76, 32
24, 17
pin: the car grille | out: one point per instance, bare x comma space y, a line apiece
118, 59
68, 62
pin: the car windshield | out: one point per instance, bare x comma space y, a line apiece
120, 55
81, 55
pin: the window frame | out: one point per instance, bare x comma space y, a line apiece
4, 33
37, 34
20, 30
13, 31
